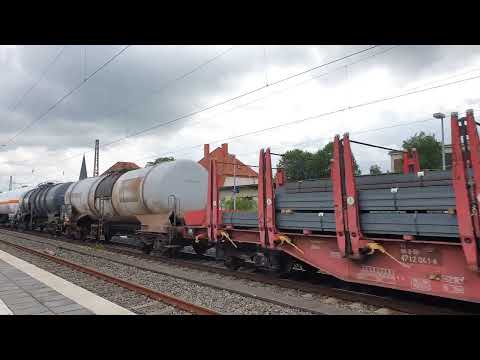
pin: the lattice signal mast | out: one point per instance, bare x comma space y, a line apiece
95, 161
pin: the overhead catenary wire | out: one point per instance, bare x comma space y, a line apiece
276, 92
420, 91
135, 134
289, 145
68, 94
240, 96
341, 67
343, 109
295, 85
316, 140
364, 131
180, 77
42, 76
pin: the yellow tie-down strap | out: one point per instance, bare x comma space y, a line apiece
286, 239
376, 246
226, 236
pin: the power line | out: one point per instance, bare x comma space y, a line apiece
316, 140
34, 85
295, 85
339, 110
356, 133
312, 78
231, 99
292, 144
448, 77
368, 103
181, 77
69, 93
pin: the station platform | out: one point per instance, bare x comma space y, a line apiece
25, 289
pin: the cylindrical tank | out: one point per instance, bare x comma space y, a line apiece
147, 191
55, 197
10, 200
39, 203
85, 196
77, 196
25, 201
44, 200
101, 198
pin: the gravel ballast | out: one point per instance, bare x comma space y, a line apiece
223, 301
116, 294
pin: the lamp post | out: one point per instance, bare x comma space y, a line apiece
441, 116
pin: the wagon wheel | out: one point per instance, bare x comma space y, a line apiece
170, 252
284, 266
232, 262
309, 269
200, 248
147, 248
107, 236
80, 235
51, 230
69, 233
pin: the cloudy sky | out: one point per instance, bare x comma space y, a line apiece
146, 86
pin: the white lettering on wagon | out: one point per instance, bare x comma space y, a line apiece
421, 284
377, 274
453, 284
421, 256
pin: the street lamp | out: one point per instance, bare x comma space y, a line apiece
441, 116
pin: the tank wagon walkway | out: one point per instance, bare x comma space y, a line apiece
28, 290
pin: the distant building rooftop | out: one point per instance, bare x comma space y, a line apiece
225, 162
229, 174
122, 166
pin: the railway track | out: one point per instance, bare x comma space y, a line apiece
410, 306
220, 290
150, 293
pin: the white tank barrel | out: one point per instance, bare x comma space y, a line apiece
92, 196
9, 201
147, 191
77, 196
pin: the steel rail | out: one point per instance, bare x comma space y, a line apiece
150, 259
400, 306
153, 294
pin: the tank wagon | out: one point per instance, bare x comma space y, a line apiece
148, 203
9, 202
40, 208
88, 209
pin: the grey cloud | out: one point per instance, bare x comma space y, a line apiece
127, 95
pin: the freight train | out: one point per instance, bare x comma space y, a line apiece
416, 231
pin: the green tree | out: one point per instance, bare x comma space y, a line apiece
159, 160
243, 204
375, 170
428, 148
301, 165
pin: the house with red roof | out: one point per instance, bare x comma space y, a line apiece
231, 171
